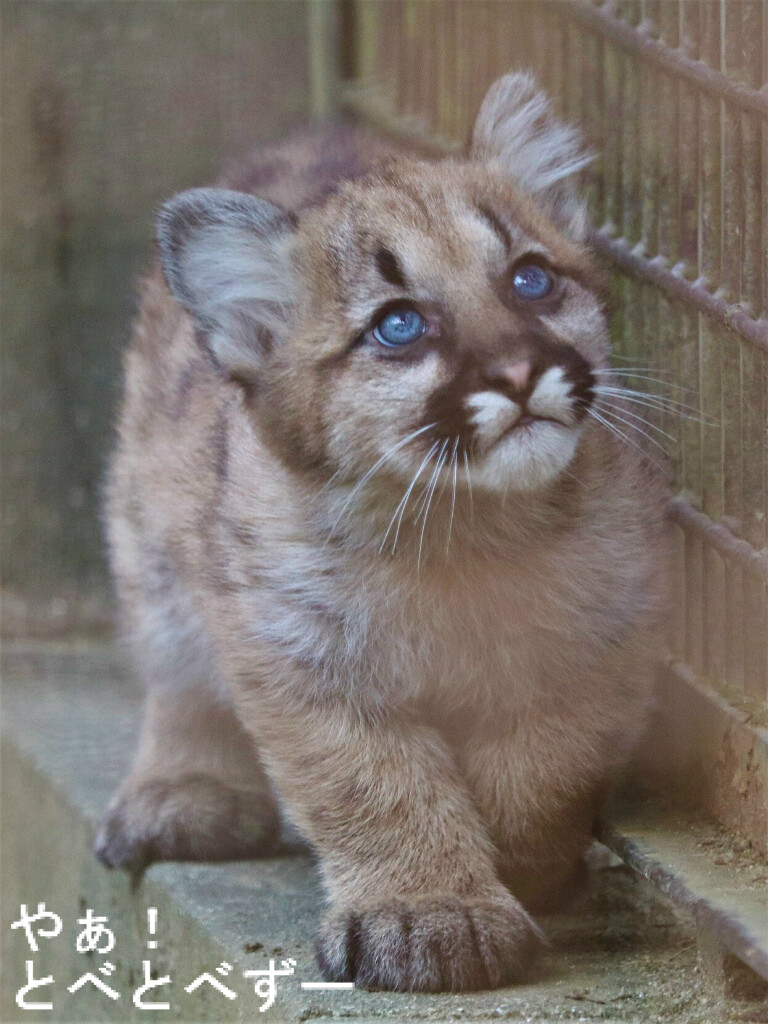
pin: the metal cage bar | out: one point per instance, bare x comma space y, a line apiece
673, 98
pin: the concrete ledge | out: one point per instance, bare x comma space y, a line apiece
69, 716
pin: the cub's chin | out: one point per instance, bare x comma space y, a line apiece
527, 457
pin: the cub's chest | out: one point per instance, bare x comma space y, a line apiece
489, 617
518, 618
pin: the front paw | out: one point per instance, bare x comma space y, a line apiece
194, 817
431, 945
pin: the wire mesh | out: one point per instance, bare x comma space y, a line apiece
673, 98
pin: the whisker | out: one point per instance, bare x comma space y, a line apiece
641, 419
367, 476
627, 359
644, 394
435, 477
469, 485
504, 495
573, 476
420, 503
669, 410
643, 433
455, 463
632, 370
620, 434
404, 500
657, 401
620, 371
688, 393
431, 483
447, 475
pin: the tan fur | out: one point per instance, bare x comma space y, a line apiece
442, 721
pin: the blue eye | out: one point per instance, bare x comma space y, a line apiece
400, 327
531, 281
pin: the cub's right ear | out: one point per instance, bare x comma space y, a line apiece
516, 131
226, 257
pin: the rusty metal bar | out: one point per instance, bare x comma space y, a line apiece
674, 284
720, 537
647, 853
674, 62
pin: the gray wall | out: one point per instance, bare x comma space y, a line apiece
107, 107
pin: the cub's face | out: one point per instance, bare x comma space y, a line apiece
444, 320
431, 318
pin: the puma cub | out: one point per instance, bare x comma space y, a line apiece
375, 544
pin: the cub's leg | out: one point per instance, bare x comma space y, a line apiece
539, 790
416, 903
196, 790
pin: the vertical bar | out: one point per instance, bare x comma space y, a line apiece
635, 292
612, 90
652, 139
667, 243
460, 72
456, 57
594, 122
408, 62
732, 198
689, 30
323, 45
365, 18
710, 345
444, 70
750, 62
386, 14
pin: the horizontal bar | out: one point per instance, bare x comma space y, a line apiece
728, 716
672, 61
54, 617
700, 899
678, 287
720, 537
697, 754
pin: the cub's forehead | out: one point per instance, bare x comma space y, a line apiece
433, 220
430, 201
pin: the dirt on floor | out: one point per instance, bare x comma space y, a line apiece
620, 953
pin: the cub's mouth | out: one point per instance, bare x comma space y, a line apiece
528, 420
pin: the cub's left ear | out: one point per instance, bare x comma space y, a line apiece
226, 257
517, 132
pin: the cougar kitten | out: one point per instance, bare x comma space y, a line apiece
372, 546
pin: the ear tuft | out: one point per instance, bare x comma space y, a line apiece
516, 130
226, 257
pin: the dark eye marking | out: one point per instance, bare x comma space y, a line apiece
497, 226
390, 269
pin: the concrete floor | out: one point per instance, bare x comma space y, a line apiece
69, 715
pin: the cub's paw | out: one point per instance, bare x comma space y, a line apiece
194, 817
431, 945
